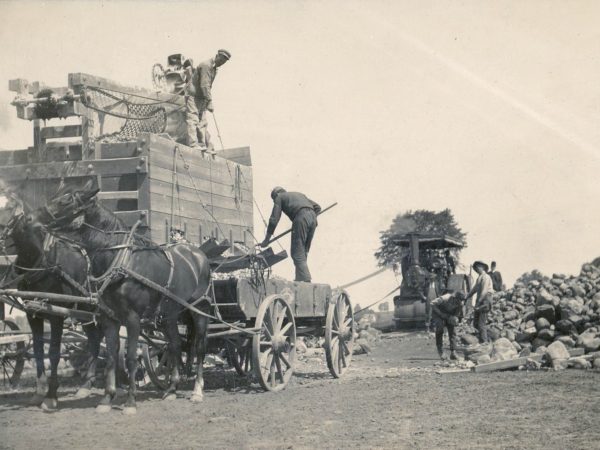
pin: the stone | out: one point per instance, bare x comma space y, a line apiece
493, 333
510, 315
300, 346
503, 350
525, 336
525, 352
469, 339
547, 312
530, 324
565, 327
589, 341
596, 363
538, 342
558, 355
567, 340
542, 323
510, 335
543, 297
579, 363
546, 334
483, 359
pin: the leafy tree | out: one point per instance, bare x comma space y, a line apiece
421, 220
530, 276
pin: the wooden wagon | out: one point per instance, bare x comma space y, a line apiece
130, 142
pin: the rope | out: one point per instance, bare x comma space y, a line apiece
380, 300
361, 279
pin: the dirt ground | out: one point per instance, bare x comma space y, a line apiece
391, 398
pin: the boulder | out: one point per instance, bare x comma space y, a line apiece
544, 297
503, 350
546, 334
547, 312
483, 359
537, 343
579, 363
596, 363
589, 341
558, 355
542, 323
567, 340
510, 315
565, 327
525, 336
510, 335
493, 333
469, 339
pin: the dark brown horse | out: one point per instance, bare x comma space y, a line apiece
47, 264
128, 269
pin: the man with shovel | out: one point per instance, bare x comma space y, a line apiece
302, 211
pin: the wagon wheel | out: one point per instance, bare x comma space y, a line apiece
142, 376
339, 338
11, 355
239, 353
274, 347
156, 361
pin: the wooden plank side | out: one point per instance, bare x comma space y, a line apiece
119, 150
500, 365
59, 169
186, 194
14, 157
202, 184
193, 210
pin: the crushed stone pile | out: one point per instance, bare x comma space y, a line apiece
545, 320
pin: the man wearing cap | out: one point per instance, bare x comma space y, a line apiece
496, 277
484, 290
302, 211
447, 312
198, 99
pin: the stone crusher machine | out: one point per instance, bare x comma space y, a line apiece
426, 274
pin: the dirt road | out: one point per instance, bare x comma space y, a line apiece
390, 399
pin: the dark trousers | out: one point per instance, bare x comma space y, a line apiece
440, 324
480, 324
303, 230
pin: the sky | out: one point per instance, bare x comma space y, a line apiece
490, 109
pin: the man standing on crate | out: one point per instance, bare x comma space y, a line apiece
302, 211
198, 99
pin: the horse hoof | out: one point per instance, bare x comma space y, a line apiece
197, 398
103, 409
129, 410
170, 396
36, 400
83, 393
50, 404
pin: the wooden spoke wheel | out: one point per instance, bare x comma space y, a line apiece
239, 353
339, 338
12, 354
156, 361
274, 347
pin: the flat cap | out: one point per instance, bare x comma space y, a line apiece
224, 53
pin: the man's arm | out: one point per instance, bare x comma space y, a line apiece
205, 85
315, 206
273, 221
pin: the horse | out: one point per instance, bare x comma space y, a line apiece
47, 264
129, 268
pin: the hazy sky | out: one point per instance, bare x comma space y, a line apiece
490, 109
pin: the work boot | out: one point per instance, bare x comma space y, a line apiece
453, 355
442, 356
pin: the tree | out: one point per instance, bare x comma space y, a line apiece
422, 221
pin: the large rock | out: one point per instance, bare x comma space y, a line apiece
558, 355
469, 339
542, 323
546, 334
503, 350
538, 342
547, 312
596, 363
526, 336
510, 315
567, 340
544, 297
589, 341
565, 327
579, 363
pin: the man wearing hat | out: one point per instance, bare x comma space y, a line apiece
302, 211
446, 313
484, 289
198, 99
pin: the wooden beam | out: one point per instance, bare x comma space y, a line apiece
65, 131
500, 365
14, 339
67, 169
117, 195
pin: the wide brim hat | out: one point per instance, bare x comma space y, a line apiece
482, 264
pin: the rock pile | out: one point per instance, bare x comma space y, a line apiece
367, 336
544, 316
